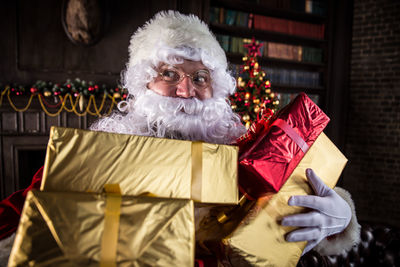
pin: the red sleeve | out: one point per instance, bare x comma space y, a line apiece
11, 207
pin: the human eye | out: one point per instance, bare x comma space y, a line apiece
170, 75
201, 78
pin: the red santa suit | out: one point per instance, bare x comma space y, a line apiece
11, 207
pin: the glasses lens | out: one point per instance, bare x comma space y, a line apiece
201, 79
170, 76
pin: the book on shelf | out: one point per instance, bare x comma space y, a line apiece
318, 7
292, 77
282, 77
214, 15
290, 27
285, 98
236, 43
311, 54
308, 6
284, 51
232, 44
224, 41
242, 19
230, 17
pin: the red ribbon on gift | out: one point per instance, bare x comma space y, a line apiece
292, 134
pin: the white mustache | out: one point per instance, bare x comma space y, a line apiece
170, 105
150, 114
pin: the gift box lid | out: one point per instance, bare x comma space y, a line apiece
82, 160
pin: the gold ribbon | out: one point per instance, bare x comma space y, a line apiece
222, 217
197, 169
112, 213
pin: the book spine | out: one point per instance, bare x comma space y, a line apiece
230, 17
214, 15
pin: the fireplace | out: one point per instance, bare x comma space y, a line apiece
29, 161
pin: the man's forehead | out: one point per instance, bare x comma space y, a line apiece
187, 65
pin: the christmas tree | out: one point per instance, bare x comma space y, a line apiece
253, 95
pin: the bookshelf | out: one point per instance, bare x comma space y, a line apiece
295, 37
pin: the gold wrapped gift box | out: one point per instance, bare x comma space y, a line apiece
69, 229
259, 238
80, 160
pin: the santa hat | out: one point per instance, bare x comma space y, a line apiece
174, 30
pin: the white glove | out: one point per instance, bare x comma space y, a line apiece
330, 216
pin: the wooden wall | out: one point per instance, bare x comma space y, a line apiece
34, 45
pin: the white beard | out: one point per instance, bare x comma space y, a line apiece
150, 114
5, 249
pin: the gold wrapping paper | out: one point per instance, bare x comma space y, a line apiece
66, 229
259, 239
81, 160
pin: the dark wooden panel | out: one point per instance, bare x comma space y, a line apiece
8, 42
36, 48
51, 121
54, 52
9, 122
30, 122
73, 121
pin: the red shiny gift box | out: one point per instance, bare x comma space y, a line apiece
272, 153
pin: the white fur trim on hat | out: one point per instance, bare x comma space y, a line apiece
5, 249
174, 30
344, 241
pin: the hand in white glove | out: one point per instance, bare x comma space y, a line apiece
330, 216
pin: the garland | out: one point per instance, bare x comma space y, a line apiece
67, 96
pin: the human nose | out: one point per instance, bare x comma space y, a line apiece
184, 88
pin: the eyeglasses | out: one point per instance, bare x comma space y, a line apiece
200, 79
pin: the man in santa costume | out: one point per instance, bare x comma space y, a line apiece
178, 82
